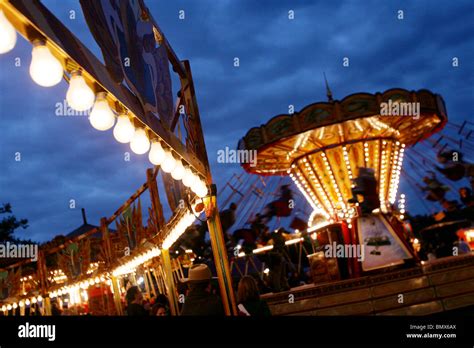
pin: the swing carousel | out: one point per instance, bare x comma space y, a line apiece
346, 160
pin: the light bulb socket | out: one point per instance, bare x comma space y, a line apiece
76, 72
101, 95
38, 42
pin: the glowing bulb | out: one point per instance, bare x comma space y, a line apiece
40, 298
33, 300
169, 163
21, 304
9, 307
124, 129
202, 191
178, 172
196, 183
15, 306
101, 117
188, 177
200, 188
140, 143
7, 34
45, 69
157, 154
79, 95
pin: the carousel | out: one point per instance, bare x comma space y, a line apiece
346, 157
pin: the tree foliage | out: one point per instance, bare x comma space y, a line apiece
9, 224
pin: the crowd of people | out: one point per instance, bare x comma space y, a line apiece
201, 298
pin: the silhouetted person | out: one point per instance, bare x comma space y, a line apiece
366, 186
278, 263
200, 300
249, 302
280, 207
134, 299
466, 197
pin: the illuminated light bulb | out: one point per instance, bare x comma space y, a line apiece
124, 129
195, 183
79, 95
101, 117
4, 308
97, 280
33, 300
21, 304
40, 298
169, 163
178, 171
9, 307
91, 282
7, 34
45, 69
157, 154
140, 143
201, 190
15, 305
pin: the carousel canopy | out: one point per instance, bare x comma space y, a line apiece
324, 146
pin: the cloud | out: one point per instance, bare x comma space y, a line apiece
281, 63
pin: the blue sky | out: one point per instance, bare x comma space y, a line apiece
281, 63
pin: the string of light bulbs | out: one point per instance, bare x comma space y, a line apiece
47, 71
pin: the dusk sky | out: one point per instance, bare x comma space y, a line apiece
281, 62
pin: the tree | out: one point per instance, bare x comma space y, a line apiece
9, 224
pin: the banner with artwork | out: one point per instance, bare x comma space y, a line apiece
129, 44
382, 246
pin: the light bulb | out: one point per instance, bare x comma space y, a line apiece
7, 34
195, 183
188, 177
45, 69
169, 163
140, 143
157, 154
178, 171
201, 190
101, 116
124, 129
79, 96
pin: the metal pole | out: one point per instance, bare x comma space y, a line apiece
171, 292
117, 299
150, 281
220, 253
